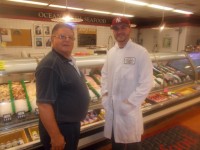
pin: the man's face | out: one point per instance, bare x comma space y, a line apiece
63, 41
121, 32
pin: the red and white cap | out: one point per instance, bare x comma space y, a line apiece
120, 20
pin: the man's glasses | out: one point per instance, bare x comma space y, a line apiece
63, 37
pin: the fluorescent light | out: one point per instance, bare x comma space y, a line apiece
118, 14
57, 6
160, 7
182, 11
28, 2
97, 11
74, 8
60, 6
133, 2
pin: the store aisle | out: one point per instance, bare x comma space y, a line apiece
188, 118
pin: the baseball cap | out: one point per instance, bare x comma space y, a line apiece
119, 20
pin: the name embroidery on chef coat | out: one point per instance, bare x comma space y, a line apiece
129, 60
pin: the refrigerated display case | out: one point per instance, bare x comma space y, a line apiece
175, 89
195, 59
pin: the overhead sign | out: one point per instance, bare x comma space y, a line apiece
10, 11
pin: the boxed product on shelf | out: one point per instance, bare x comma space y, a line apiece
13, 139
34, 132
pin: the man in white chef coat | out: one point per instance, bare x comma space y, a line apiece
127, 78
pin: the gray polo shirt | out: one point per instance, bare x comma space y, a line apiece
58, 83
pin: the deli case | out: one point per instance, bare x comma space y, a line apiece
175, 87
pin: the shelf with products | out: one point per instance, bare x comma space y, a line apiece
175, 86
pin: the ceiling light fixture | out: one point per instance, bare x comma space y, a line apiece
118, 14
67, 18
97, 11
182, 12
29, 2
133, 2
162, 25
64, 7
160, 7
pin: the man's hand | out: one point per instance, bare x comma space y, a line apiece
58, 142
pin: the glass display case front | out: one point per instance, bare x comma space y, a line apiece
195, 57
174, 84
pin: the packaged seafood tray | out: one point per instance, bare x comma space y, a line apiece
19, 97
145, 104
13, 139
34, 132
157, 97
185, 91
4, 93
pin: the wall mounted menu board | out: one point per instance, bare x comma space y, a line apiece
86, 36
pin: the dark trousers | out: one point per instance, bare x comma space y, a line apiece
70, 131
125, 146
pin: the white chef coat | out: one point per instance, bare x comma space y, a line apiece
127, 76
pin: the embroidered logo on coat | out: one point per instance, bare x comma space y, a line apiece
129, 60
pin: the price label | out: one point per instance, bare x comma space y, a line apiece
7, 118
2, 65
21, 115
36, 111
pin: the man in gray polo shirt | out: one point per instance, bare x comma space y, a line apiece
62, 95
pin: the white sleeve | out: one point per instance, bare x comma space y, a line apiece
145, 80
104, 77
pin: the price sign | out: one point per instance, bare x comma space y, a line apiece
36, 111
2, 65
21, 115
7, 118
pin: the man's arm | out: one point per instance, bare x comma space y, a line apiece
48, 120
104, 79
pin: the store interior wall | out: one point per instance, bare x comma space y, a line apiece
103, 34
150, 38
193, 35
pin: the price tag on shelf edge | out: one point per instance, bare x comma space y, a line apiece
7, 118
2, 65
21, 115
